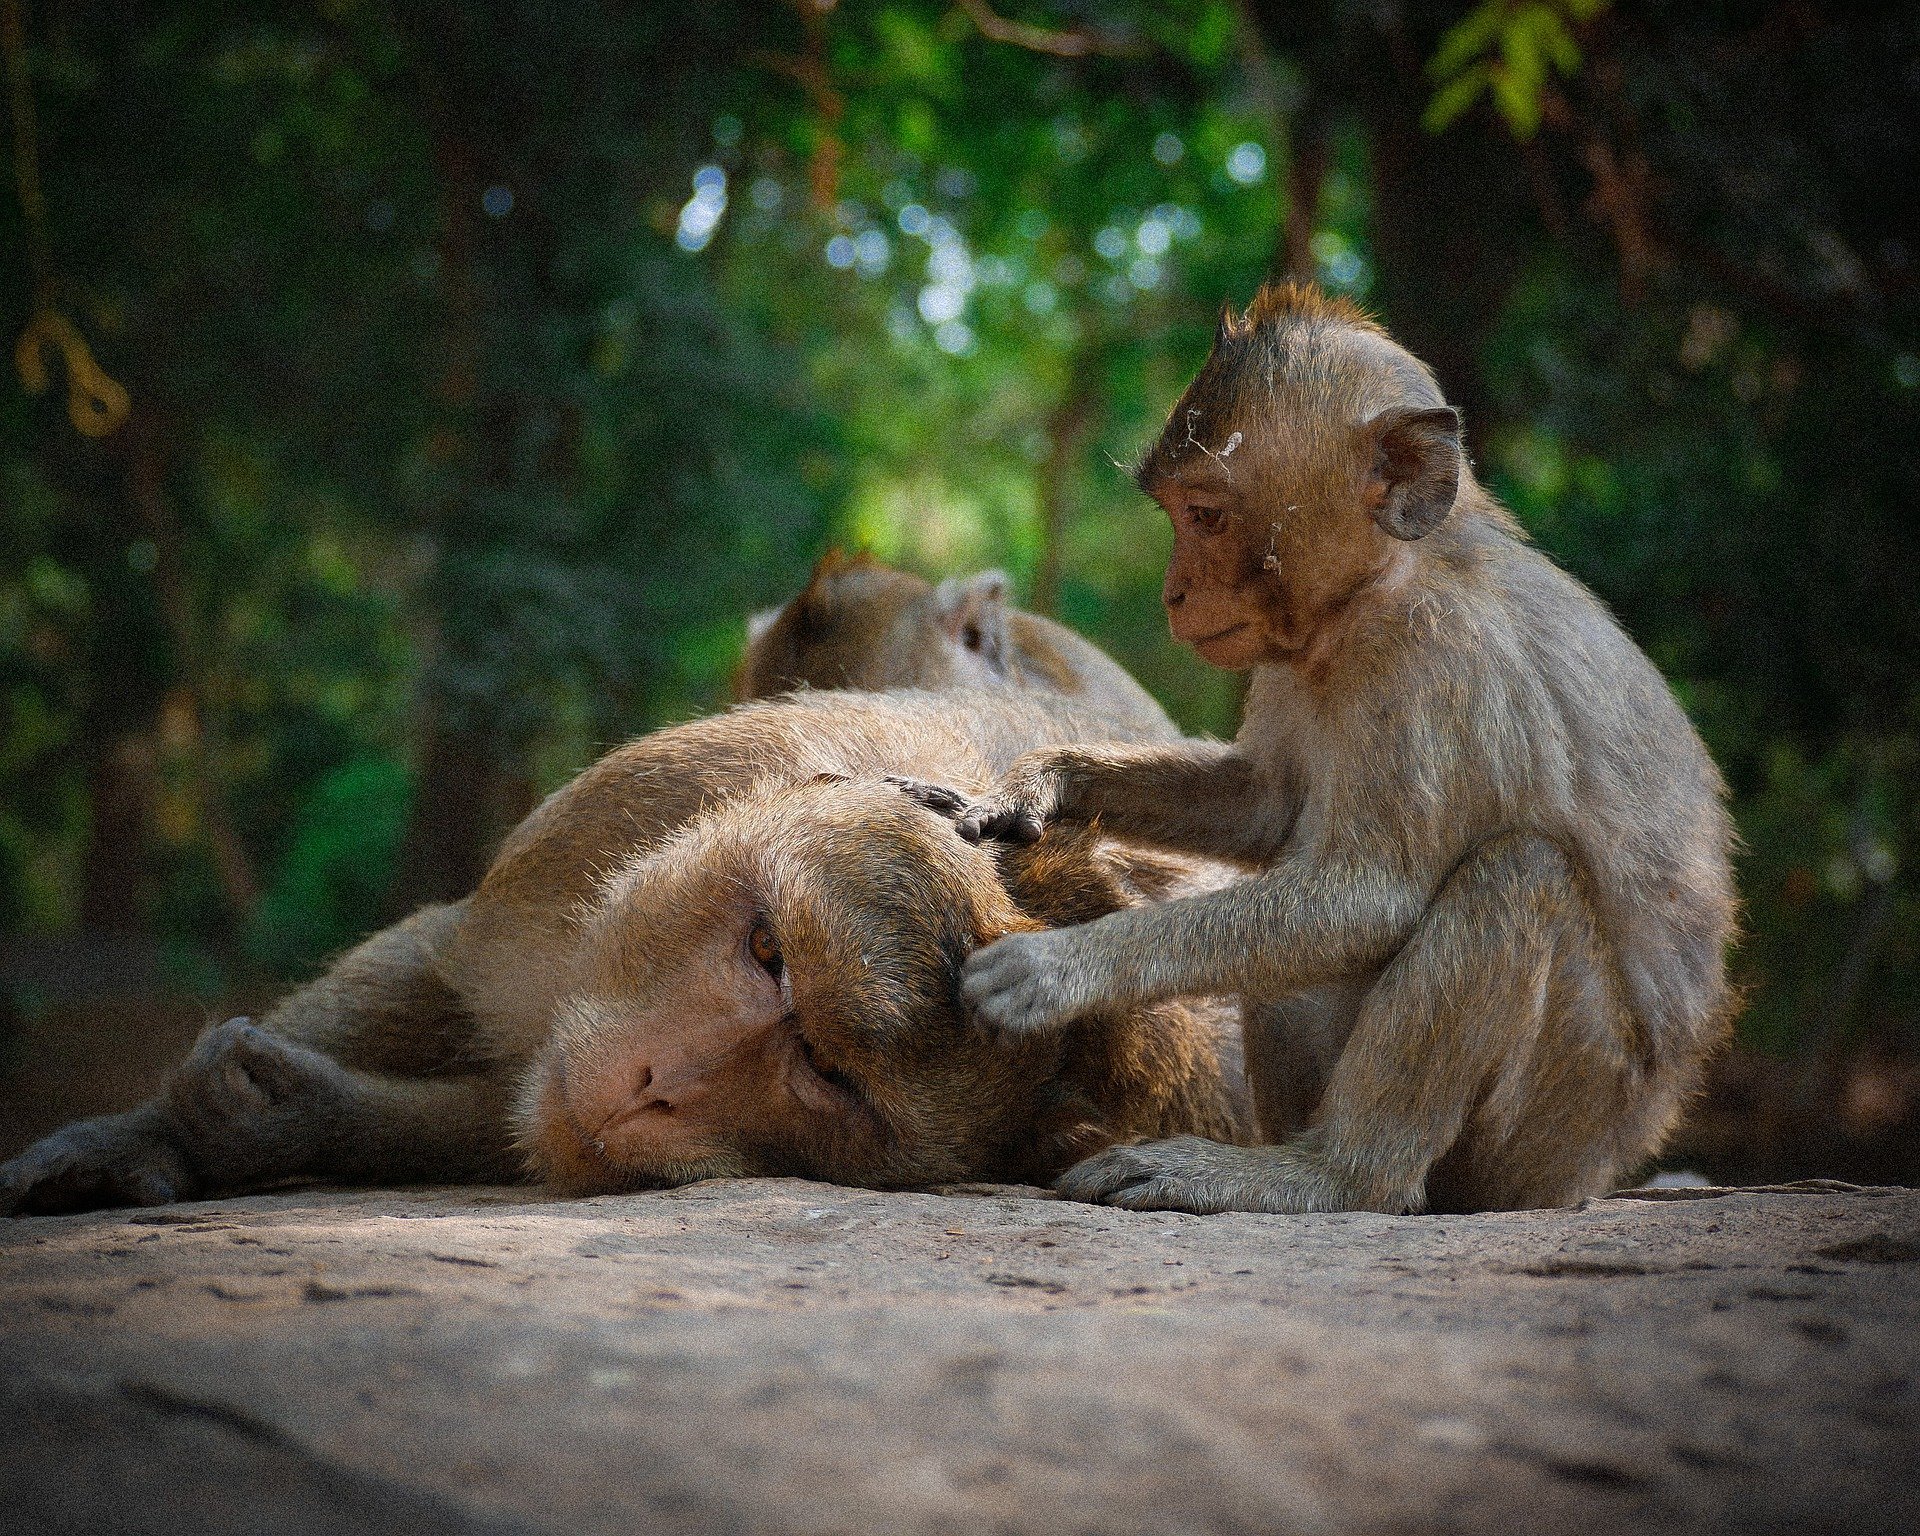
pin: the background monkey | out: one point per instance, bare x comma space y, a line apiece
730, 947
860, 624
1493, 891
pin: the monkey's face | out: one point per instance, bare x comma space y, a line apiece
1263, 557
775, 991
1291, 495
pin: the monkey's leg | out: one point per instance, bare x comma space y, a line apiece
1292, 1044
1493, 1044
365, 1073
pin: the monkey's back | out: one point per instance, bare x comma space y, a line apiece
1630, 790
1078, 669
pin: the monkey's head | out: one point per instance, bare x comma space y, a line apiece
860, 624
1299, 468
775, 991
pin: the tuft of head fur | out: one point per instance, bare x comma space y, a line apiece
1293, 345
1298, 303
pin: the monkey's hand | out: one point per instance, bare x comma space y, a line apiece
941, 799
1187, 1173
249, 1106
1029, 982
1018, 810
114, 1160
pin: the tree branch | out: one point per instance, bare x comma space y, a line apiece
1076, 44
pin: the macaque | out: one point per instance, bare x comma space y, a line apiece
729, 948
860, 624
1482, 941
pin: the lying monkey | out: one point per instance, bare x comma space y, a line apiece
860, 624
729, 948
1491, 891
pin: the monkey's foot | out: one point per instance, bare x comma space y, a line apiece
249, 1105
1028, 982
1187, 1173
114, 1160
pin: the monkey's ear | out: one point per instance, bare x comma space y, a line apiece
1415, 473
972, 613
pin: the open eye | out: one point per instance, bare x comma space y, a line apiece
1207, 517
765, 949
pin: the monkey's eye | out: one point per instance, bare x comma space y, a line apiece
765, 949
1206, 517
827, 1074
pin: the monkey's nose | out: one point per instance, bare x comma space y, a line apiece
643, 1097
662, 1087
615, 1101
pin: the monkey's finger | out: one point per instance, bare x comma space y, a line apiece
1021, 1009
279, 1068
938, 798
1165, 1193
149, 1185
1099, 1176
214, 1085
1000, 821
213, 1044
993, 973
49, 1180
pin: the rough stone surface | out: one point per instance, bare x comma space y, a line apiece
783, 1356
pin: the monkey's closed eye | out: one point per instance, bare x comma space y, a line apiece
831, 1075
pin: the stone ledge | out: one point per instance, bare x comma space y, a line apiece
774, 1355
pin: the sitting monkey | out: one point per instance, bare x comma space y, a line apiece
860, 624
1492, 892
728, 948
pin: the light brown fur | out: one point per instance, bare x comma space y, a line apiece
1492, 893
860, 624
535, 1025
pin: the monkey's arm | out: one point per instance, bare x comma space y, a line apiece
1304, 921
1164, 796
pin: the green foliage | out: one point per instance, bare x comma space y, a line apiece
337, 865
1508, 50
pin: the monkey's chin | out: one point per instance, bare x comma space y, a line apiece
1233, 649
569, 1164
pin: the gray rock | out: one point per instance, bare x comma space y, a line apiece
784, 1356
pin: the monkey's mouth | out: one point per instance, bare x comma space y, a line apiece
1223, 634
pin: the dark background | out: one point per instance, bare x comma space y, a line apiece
484, 365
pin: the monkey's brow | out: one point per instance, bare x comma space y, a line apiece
1201, 477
